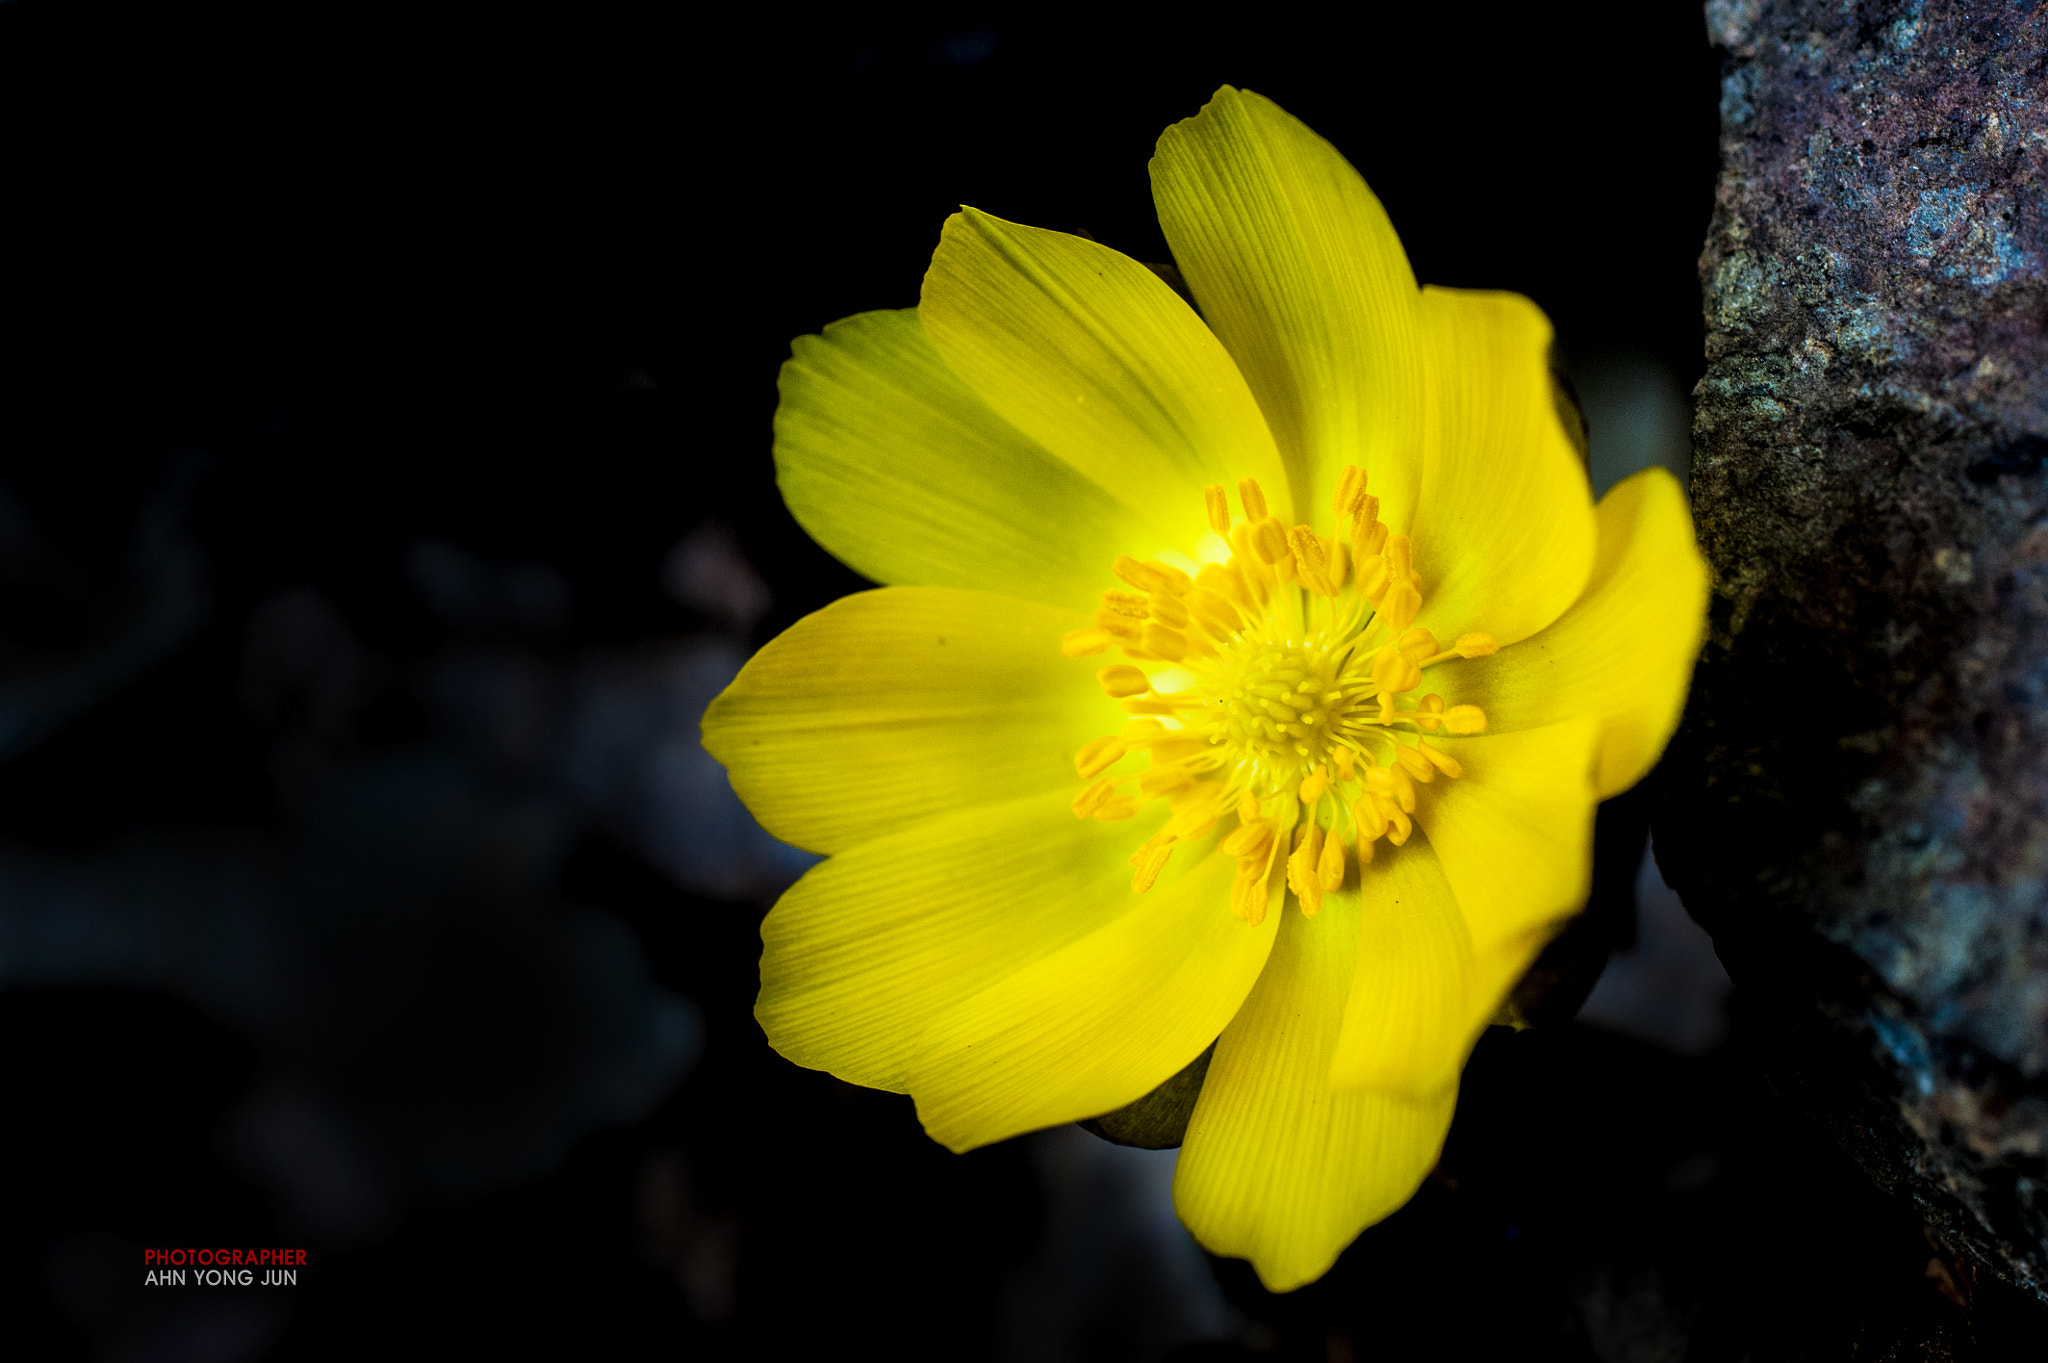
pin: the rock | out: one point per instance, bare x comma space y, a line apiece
1857, 804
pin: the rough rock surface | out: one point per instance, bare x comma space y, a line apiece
1857, 805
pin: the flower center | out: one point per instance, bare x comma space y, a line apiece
1272, 684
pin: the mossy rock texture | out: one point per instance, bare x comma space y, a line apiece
1857, 804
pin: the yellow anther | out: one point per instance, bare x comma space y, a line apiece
1115, 810
1370, 822
1150, 576
1464, 719
1163, 780
1248, 892
1217, 503
1391, 783
1301, 869
1121, 679
1165, 642
1081, 643
1167, 608
1269, 540
1094, 798
1401, 604
1350, 490
1345, 757
1415, 764
1315, 784
1248, 839
1178, 748
1149, 705
1364, 844
1372, 577
1225, 582
1369, 538
1394, 671
1215, 613
1400, 552
1441, 760
1312, 559
1475, 645
1254, 498
1419, 645
1340, 564
1121, 627
1150, 864
1098, 755
1428, 716
1330, 866
1248, 808
1136, 605
1399, 825
1142, 733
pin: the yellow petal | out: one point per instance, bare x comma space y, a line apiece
1278, 1167
1624, 651
1297, 268
1504, 532
1514, 834
1097, 1024
1412, 1013
892, 706
1086, 352
897, 468
878, 941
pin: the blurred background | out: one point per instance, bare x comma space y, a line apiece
384, 490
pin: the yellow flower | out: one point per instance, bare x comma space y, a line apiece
1379, 658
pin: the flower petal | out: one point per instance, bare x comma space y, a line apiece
1504, 530
896, 467
892, 706
1297, 268
1514, 834
1411, 1015
1278, 1167
1097, 1024
1088, 353
878, 941
1625, 650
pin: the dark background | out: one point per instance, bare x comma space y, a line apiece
329, 282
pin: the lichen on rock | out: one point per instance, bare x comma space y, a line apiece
1857, 805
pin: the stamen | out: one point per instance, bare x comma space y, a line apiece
1081, 643
1464, 719
1098, 755
1350, 490
1442, 761
1296, 656
1475, 645
1217, 503
1254, 498
1330, 867
1152, 861
1151, 576
1121, 679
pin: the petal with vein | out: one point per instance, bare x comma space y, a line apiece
878, 941
1514, 834
1624, 651
1504, 531
893, 706
1097, 1024
1278, 1167
1298, 269
1089, 354
896, 467
1412, 1013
